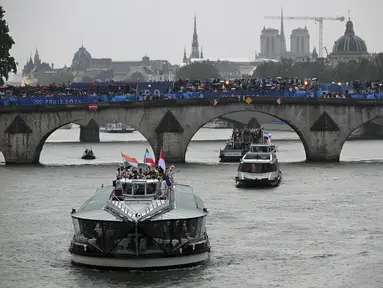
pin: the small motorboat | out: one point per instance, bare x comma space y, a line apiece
88, 155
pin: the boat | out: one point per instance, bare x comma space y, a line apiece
88, 155
239, 143
141, 224
116, 127
259, 167
218, 124
67, 126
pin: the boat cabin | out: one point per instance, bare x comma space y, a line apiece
262, 148
136, 188
259, 162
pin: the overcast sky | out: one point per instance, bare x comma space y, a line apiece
129, 29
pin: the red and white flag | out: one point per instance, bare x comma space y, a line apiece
280, 101
93, 107
161, 161
148, 159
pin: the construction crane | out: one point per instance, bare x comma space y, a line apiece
316, 19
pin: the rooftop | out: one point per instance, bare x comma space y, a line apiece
187, 205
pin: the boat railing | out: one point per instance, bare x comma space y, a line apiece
120, 209
158, 206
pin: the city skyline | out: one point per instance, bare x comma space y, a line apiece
104, 38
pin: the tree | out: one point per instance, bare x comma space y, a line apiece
87, 79
198, 70
48, 79
359, 69
7, 63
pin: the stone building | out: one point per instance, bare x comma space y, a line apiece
300, 43
349, 46
34, 68
102, 69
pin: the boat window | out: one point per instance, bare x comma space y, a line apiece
260, 149
256, 167
127, 188
151, 188
260, 156
138, 189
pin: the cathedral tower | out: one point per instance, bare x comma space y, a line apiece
195, 46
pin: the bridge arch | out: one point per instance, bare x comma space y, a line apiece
224, 110
360, 126
101, 117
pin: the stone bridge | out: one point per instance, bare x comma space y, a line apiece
323, 125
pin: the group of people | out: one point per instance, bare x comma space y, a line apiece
130, 172
258, 85
66, 90
241, 138
88, 152
249, 85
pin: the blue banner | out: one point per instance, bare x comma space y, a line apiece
73, 100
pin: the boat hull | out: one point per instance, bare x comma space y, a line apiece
142, 263
257, 182
88, 157
117, 131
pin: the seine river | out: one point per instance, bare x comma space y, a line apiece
322, 227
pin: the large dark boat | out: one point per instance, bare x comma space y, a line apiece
141, 224
239, 143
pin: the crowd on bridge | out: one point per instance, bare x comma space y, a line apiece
66, 90
256, 85
281, 87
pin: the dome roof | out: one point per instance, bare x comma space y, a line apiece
349, 42
81, 53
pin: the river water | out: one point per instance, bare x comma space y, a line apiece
322, 227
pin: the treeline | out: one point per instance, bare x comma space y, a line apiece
370, 69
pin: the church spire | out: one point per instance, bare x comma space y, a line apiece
37, 58
195, 45
283, 40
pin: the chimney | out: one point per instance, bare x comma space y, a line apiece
53, 66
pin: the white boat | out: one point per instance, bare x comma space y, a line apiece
68, 126
259, 167
218, 124
139, 224
116, 127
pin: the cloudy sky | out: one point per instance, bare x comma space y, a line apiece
129, 29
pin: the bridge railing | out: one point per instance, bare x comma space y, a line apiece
73, 100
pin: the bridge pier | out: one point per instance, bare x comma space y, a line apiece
90, 133
323, 146
173, 145
20, 150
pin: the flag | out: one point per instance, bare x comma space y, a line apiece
161, 161
129, 161
280, 101
92, 107
148, 159
168, 182
214, 102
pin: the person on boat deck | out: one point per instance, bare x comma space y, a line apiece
164, 187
